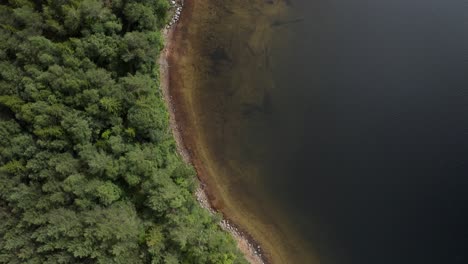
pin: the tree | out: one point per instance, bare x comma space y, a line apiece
88, 169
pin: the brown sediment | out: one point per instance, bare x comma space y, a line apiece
251, 249
216, 42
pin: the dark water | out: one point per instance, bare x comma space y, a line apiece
369, 128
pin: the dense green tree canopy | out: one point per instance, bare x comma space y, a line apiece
88, 167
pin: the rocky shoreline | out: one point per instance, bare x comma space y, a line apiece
251, 250
246, 244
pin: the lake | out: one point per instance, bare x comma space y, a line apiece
334, 131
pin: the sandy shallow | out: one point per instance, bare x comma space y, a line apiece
246, 244
206, 73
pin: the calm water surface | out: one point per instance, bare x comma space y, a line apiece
360, 136
370, 121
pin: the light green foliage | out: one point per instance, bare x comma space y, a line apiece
88, 168
108, 192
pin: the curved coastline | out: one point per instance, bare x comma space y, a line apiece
250, 248
262, 232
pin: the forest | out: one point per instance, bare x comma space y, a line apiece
89, 171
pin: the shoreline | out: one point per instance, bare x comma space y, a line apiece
248, 246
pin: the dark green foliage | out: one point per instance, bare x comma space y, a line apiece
88, 168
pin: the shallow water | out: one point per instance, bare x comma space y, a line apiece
338, 128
